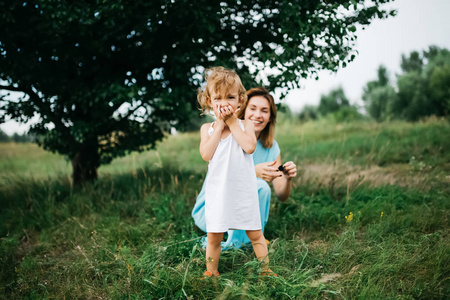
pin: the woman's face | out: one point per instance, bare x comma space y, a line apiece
258, 111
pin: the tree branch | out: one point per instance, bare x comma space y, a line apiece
12, 89
43, 109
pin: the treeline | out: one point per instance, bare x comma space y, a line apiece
422, 89
17, 138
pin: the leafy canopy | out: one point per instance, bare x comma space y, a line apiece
110, 77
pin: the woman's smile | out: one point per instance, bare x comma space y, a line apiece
258, 111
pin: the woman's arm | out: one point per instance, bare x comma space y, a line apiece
208, 144
283, 184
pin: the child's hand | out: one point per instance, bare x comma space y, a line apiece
228, 113
217, 112
220, 123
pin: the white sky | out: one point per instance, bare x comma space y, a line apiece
418, 24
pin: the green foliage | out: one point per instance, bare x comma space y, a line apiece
423, 88
196, 123
347, 114
425, 91
332, 102
413, 63
4, 137
438, 73
383, 104
366, 143
108, 78
23, 138
413, 102
378, 96
131, 235
309, 112
284, 113
17, 138
382, 81
335, 106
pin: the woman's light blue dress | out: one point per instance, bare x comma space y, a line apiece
238, 238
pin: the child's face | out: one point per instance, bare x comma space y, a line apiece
226, 97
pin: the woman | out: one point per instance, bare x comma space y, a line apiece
260, 108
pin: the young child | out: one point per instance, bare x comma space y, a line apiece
231, 196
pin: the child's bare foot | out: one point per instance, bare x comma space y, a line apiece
210, 274
268, 272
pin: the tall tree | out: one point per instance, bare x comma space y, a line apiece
309, 112
382, 80
379, 96
4, 137
412, 63
437, 72
332, 102
424, 91
423, 88
107, 77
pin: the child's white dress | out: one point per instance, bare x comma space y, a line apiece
231, 193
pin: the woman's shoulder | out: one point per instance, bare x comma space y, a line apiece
267, 154
275, 144
271, 148
275, 148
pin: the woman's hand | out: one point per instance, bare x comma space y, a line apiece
267, 171
290, 170
283, 185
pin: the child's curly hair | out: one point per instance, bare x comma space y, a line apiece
219, 80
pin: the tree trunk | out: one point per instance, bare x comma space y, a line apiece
85, 165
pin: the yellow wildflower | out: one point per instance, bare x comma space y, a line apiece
349, 218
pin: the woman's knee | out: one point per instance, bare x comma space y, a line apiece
198, 212
264, 195
264, 192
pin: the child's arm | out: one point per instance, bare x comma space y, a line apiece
208, 144
246, 139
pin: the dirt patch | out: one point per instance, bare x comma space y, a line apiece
326, 278
318, 244
340, 174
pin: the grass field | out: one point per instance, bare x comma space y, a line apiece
368, 218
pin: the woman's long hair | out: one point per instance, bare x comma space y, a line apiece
267, 135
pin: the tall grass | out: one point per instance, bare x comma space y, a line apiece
130, 234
